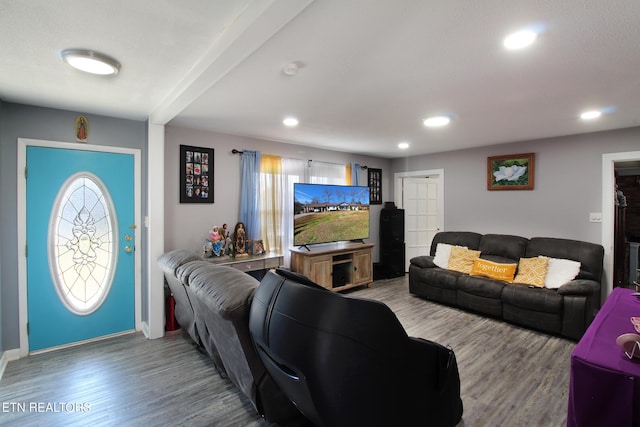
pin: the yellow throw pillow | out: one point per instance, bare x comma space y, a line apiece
532, 271
461, 259
494, 270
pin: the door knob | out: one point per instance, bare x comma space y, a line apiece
128, 249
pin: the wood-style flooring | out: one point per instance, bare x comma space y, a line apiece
510, 376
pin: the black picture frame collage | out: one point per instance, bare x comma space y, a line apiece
196, 174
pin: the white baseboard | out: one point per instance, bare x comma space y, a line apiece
8, 356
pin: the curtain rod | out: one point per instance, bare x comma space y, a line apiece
235, 151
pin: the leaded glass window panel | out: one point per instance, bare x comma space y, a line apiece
82, 243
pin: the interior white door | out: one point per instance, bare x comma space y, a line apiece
422, 215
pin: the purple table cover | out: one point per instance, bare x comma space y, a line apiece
604, 388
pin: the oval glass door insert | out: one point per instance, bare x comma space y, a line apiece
82, 243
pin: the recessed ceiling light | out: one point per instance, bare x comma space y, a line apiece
519, 39
290, 121
403, 145
91, 62
590, 115
436, 121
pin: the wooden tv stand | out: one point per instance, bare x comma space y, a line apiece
337, 267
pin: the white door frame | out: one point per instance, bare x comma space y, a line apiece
23, 143
608, 206
430, 173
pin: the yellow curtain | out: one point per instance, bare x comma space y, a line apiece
348, 174
271, 190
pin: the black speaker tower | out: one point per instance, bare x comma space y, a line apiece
392, 241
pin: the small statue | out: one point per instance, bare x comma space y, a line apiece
215, 241
240, 239
226, 238
207, 250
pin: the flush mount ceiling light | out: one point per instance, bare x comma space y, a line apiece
519, 39
290, 122
436, 121
403, 145
91, 62
590, 115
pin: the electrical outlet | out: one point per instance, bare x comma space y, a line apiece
595, 217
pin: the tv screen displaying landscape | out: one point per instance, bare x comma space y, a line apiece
326, 213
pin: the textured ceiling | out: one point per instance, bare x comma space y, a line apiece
370, 71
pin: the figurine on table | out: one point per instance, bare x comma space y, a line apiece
226, 238
240, 239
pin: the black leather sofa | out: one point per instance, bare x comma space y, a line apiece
566, 311
347, 361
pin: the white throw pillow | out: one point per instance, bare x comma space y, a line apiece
443, 252
560, 271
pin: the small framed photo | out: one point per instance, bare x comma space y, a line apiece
196, 174
257, 247
511, 172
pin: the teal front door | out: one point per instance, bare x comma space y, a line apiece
80, 229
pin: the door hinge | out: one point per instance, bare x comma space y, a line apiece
25, 172
27, 328
26, 251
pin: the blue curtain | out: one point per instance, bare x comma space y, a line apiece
250, 193
355, 173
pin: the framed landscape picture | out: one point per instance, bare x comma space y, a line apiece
196, 174
510, 172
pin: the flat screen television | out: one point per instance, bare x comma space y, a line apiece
325, 213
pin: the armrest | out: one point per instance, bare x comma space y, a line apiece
579, 287
424, 261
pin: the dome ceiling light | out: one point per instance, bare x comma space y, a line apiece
519, 39
91, 62
436, 121
590, 115
290, 122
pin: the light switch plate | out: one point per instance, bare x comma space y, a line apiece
595, 217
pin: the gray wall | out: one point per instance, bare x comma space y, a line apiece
186, 225
22, 121
568, 181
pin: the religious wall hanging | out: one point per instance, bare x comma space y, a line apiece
82, 129
196, 174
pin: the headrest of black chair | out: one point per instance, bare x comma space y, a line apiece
300, 278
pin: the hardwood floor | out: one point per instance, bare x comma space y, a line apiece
510, 376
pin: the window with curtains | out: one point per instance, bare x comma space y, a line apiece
277, 176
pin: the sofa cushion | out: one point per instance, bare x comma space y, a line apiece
210, 283
494, 270
532, 271
533, 299
462, 259
502, 247
590, 255
481, 286
185, 270
457, 238
171, 260
480, 294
